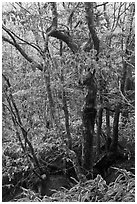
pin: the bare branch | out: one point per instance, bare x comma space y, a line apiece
9, 33
125, 99
32, 45
22, 7
23, 53
17, 121
103, 4
118, 16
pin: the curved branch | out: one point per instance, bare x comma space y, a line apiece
9, 33
65, 38
59, 34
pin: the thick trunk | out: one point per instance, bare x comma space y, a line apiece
88, 117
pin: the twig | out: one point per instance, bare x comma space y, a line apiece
22, 7
103, 4
125, 99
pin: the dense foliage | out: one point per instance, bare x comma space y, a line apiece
48, 49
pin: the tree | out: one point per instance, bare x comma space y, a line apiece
52, 46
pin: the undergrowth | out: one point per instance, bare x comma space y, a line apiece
122, 190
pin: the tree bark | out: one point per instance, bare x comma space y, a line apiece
88, 118
65, 37
127, 73
66, 113
99, 129
90, 20
65, 106
114, 144
51, 101
108, 139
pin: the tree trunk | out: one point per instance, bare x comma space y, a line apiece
127, 73
65, 107
49, 92
114, 144
108, 139
88, 117
99, 129
90, 20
